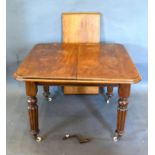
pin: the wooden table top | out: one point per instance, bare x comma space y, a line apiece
98, 63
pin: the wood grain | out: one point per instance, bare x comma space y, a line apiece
31, 88
56, 61
81, 90
78, 64
81, 28
105, 62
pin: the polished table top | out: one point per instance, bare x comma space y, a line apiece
81, 63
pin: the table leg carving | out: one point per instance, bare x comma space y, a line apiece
109, 94
124, 92
31, 91
33, 114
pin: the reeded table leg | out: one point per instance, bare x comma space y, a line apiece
31, 91
109, 93
124, 93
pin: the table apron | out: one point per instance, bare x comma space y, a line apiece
74, 84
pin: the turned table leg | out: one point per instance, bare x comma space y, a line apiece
109, 94
124, 93
31, 91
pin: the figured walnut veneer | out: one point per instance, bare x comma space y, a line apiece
78, 63
81, 28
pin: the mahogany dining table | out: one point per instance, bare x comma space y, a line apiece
78, 64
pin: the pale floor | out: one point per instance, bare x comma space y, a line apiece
86, 114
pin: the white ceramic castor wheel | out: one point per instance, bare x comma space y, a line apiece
115, 138
50, 99
67, 136
38, 139
107, 101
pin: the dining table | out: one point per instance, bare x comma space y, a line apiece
78, 64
